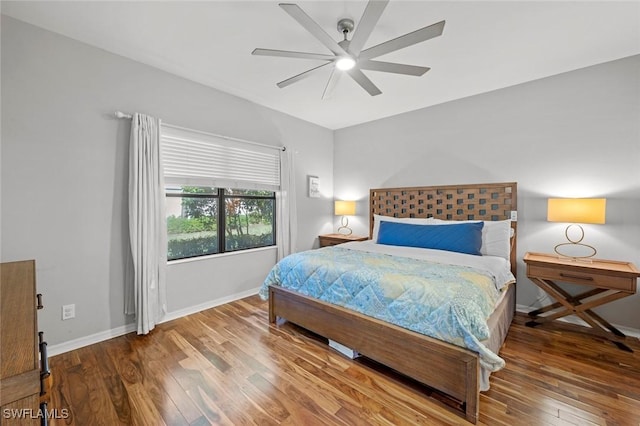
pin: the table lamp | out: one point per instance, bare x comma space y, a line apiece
576, 211
344, 209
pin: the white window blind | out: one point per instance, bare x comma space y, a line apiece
201, 159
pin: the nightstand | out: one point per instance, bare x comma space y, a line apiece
611, 280
335, 239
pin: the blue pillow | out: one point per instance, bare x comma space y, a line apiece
461, 238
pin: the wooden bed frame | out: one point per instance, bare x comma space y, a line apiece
448, 368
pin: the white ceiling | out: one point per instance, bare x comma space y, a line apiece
485, 46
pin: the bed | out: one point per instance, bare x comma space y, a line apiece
448, 367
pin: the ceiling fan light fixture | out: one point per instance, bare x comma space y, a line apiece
345, 64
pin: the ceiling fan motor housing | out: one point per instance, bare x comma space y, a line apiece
345, 26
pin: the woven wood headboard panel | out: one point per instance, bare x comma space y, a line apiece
489, 201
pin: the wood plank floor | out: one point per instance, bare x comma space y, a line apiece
227, 365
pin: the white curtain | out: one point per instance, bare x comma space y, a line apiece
147, 224
286, 224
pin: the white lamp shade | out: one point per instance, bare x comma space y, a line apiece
576, 210
345, 208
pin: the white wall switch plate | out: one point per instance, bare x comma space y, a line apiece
68, 311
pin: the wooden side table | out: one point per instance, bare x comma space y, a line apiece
335, 239
611, 280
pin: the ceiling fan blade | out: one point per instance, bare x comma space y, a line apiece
367, 64
369, 19
363, 81
310, 25
295, 78
331, 83
423, 34
291, 54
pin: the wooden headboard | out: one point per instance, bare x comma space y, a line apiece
487, 201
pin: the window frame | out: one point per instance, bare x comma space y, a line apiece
220, 197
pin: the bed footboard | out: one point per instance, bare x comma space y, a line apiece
448, 368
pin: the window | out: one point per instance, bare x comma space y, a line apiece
249, 219
203, 220
192, 221
220, 193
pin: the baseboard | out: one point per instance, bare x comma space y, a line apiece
572, 319
80, 342
91, 339
208, 305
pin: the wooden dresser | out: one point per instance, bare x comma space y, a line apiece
22, 373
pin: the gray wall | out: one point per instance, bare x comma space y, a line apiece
572, 135
64, 167
64, 175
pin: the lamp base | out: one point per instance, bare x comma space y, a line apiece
344, 229
574, 259
575, 242
584, 258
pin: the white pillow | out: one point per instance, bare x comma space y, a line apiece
410, 220
496, 236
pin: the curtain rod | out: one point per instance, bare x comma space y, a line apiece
120, 114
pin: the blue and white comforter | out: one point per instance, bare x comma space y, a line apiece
444, 301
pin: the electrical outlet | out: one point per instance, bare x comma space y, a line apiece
514, 215
68, 311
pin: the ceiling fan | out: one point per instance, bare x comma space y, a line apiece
348, 55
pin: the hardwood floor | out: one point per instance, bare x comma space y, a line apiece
227, 365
